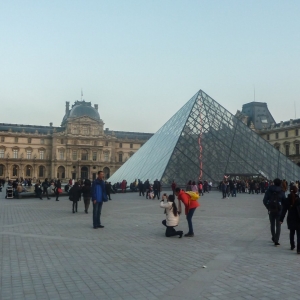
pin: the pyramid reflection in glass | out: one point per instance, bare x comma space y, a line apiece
205, 141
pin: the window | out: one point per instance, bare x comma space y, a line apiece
95, 143
2, 139
1, 153
296, 132
297, 149
74, 155
276, 135
94, 156
16, 139
120, 145
62, 141
84, 155
28, 154
84, 130
61, 154
29, 140
277, 147
268, 137
1, 170
41, 171
15, 153
120, 157
287, 150
42, 154
42, 141
106, 156
106, 144
131, 146
286, 134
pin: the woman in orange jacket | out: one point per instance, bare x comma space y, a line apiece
190, 207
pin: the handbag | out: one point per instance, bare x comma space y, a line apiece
71, 197
59, 190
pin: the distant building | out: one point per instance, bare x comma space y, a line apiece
284, 136
78, 149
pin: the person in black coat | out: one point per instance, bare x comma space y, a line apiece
86, 193
293, 218
273, 192
75, 194
57, 186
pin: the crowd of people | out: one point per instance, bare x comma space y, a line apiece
280, 198
233, 187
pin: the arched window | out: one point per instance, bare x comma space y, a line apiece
28, 170
1, 170
15, 171
61, 172
41, 171
106, 172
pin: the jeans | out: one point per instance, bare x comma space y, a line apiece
189, 217
275, 222
292, 240
233, 193
96, 213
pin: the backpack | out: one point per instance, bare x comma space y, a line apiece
193, 196
274, 205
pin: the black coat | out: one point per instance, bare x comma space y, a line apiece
293, 219
75, 192
86, 191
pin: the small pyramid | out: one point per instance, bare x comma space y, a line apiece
204, 141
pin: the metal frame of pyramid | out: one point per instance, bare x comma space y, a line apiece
204, 141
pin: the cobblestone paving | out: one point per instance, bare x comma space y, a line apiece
47, 252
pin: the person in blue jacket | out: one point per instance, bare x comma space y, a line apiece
98, 197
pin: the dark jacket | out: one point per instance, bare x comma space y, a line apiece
75, 192
281, 197
98, 191
293, 219
86, 191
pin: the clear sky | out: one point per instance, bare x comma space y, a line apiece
142, 60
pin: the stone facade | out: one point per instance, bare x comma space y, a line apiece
284, 136
79, 148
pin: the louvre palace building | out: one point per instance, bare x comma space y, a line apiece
78, 149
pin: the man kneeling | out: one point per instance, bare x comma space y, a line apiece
172, 216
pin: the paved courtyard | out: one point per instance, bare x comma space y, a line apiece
49, 253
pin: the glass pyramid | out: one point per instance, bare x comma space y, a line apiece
204, 141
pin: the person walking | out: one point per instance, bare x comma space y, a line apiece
190, 207
156, 188
45, 186
172, 216
38, 190
98, 197
57, 189
107, 189
273, 201
86, 193
292, 206
74, 194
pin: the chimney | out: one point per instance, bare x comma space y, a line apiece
67, 106
291, 121
96, 106
51, 124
